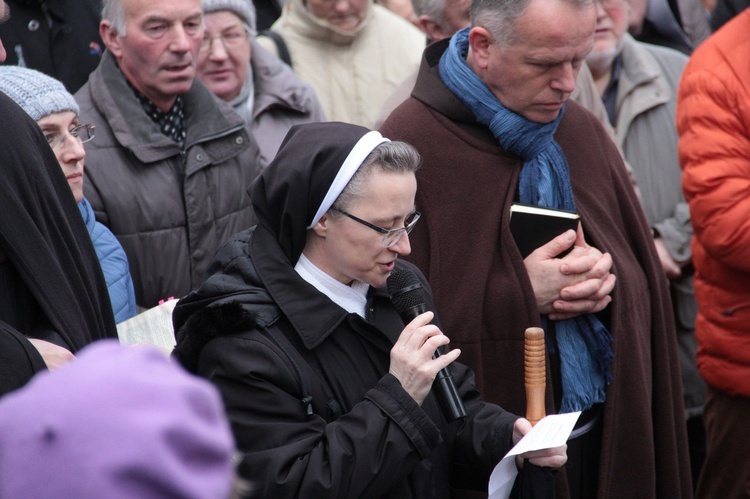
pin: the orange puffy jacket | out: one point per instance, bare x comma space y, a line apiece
713, 120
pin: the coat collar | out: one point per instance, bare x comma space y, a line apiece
206, 116
251, 271
641, 84
439, 96
275, 83
300, 20
452, 113
312, 314
87, 212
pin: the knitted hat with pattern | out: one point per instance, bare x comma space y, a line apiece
38, 94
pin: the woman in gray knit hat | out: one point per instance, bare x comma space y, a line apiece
56, 112
261, 88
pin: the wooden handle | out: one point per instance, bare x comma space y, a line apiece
535, 373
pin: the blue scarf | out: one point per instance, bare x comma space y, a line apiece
584, 344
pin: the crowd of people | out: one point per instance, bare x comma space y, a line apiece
272, 165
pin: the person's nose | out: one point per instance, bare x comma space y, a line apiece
71, 149
217, 50
181, 40
341, 6
565, 79
403, 246
601, 12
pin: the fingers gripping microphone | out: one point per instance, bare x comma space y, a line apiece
407, 296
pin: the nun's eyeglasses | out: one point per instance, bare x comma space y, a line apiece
390, 236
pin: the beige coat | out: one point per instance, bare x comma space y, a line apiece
352, 73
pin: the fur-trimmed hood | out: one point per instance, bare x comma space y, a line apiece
231, 298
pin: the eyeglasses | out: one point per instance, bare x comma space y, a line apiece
83, 133
608, 4
390, 236
229, 39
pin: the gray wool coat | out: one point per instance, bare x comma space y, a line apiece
280, 101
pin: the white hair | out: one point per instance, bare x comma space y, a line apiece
114, 13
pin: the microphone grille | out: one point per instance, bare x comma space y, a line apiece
405, 290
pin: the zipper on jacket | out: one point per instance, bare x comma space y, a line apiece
730, 311
306, 399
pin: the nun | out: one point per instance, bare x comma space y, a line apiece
327, 392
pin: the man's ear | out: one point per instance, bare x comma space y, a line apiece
111, 38
433, 29
480, 41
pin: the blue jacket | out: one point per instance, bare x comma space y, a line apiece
114, 264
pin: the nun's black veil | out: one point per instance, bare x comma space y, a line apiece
43, 236
288, 193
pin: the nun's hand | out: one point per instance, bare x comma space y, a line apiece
553, 457
411, 357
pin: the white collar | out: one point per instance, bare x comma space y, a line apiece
352, 298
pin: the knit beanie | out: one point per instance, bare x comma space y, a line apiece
116, 422
38, 94
244, 9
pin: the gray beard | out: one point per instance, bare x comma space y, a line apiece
601, 62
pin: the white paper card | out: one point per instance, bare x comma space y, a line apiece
152, 327
551, 431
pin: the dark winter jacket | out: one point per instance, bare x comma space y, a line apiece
170, 209
60, 38
307, 388
725, 10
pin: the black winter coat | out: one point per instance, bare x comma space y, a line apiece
307, 388
60, 38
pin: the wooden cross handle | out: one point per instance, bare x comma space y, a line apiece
535, 372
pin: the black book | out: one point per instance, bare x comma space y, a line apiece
535, 226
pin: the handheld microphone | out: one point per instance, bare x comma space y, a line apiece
407, 296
